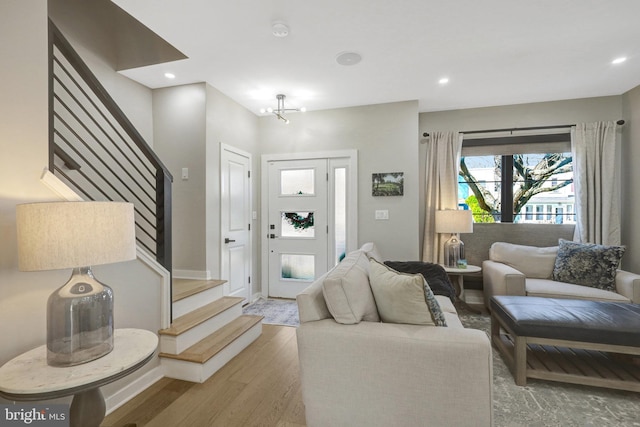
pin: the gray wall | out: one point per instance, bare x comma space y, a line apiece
523, 115
180, 128
385, 136
631, 177
190, 123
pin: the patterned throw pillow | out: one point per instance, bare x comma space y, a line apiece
587, 264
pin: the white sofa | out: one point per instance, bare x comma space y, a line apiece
363, 372
528, 271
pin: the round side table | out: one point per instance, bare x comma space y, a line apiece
28, 377
459, 274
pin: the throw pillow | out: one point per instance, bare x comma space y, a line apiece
347, 292
434, 274
403, 298
587, 264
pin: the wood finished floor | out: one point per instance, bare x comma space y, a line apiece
259, 387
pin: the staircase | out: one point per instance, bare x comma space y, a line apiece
208, 330
97, 154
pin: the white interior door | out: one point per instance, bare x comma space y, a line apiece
235, 221
297, 225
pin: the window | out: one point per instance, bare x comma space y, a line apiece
518, 179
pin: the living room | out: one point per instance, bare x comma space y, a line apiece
386, 135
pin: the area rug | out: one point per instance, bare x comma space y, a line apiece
539, 404
546, 403
275, 311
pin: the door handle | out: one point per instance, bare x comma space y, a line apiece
228, 240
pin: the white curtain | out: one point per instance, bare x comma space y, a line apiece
596, 183
443, 158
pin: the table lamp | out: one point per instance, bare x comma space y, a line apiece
77, 235
454, 222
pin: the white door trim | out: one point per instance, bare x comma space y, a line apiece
352, 201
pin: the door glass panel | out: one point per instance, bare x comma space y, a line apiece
297, 267
340, 213
297, 182
297, 224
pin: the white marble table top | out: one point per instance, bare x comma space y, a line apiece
30, 374
470, 269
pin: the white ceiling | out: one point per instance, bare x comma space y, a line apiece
495, 52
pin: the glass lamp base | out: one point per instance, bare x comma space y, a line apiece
79, 320
454, 253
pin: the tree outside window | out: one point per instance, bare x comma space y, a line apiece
498, 187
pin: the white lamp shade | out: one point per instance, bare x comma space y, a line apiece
454, 221
60, 235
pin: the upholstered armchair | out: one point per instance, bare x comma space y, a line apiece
533, 271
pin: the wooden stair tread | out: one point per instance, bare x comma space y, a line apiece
183, 288
200, 315
204, 350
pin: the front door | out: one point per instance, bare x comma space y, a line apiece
235, 218
297, 225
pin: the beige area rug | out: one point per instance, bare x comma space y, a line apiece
540, 403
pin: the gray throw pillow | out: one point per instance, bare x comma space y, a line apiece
587, 264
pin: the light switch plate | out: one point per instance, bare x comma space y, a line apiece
382, 214
185, 173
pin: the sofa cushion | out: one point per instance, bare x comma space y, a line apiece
552, 289
347, 292
435, 275
587, 264
531, 261
403, 298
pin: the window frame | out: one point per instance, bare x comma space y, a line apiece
506, 147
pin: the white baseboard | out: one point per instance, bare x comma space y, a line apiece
255, 297
192, 274
134, 388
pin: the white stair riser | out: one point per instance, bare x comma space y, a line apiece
200, 372
177, 344
190, 303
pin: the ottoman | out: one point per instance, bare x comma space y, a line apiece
575, 341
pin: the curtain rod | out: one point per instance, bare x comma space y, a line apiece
469, 132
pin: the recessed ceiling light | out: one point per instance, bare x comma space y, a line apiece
170, 75
619, 60
280, 29
348, 58
444, 80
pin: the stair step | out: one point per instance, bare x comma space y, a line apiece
200, 315
184, 288
204, 350
216, 351
189, 295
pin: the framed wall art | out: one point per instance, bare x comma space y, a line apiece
387, 184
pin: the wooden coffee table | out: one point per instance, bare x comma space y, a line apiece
573, 341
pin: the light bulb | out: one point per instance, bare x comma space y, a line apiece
269, 110
286, 121
262, 111
303, 109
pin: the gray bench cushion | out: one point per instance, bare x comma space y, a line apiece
574, 320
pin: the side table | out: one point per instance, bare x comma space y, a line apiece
459, 273
28, 377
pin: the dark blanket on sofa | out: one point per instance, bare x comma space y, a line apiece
434, 274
